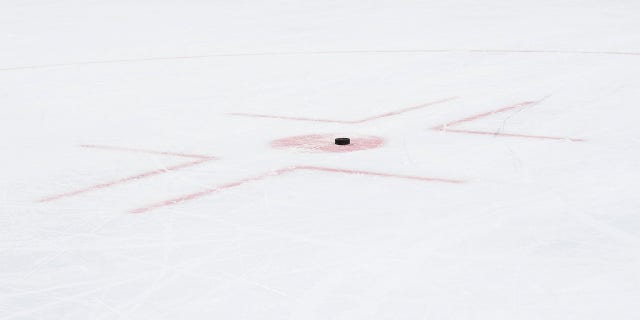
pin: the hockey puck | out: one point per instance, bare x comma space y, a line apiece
343, 141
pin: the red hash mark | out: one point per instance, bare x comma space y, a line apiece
380, 116
200, 159
208, 191
164, 153
447, 127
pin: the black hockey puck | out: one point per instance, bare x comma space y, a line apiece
343, 141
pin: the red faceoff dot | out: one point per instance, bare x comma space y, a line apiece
326, 143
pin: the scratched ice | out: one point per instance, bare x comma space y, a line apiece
176, 160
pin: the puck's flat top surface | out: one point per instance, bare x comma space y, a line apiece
327, 143
342, 141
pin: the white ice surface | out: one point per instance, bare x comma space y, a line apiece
541, 229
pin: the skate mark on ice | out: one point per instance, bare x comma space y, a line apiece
202, 193
311, 53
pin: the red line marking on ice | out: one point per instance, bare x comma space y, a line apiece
484, 114
164, 153
196, 195
253, 115
515, 135
379, 174
384, 115
397, 112
447, 127
125, 180
147, 174
205, 192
